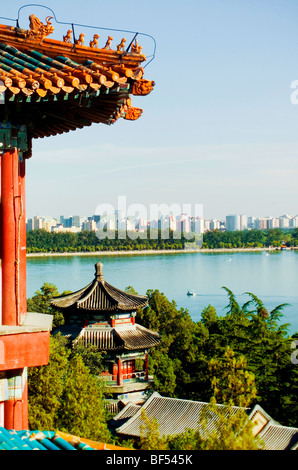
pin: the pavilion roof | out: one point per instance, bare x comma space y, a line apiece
100, 296
129, 338
56, 86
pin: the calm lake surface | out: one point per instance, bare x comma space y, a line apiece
271, 276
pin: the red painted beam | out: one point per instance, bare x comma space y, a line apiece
24, 350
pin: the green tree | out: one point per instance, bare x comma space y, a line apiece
82, 413
149, 434
231, 382
163, 370
232, 430
65, 396
256, 333
92, 358
46, 386
179, 337
41, 303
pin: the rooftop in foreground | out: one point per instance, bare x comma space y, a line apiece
54, 86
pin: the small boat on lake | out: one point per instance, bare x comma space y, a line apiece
190, 292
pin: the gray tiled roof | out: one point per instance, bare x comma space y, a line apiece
100, 296
174, 416
128, 411
277, 437
132, 337
138, 337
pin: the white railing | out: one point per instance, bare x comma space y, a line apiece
132, 375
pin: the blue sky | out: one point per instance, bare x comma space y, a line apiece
219, 129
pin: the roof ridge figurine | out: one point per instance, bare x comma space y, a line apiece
37, 28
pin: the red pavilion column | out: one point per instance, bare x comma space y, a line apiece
119, 378
22, 240
146, 368
13, 267
13, 238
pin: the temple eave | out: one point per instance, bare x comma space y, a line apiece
38, 76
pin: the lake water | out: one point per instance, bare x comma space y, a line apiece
271, 276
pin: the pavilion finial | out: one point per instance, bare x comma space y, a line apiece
99, 271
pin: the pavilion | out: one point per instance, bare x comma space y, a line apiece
48, 87
103, 316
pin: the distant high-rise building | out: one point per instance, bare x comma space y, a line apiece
206, 225
284, 221
232, 222
29, 225
293, 222
89, 225
251, 222
243, 222
273, 222
263, 223
67, 222
96, 218
37, 223
214, 224
199, 225
75, 221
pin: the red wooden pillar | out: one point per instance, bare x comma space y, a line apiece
119, 378
22, 241
16, 409
13, 238
0, 243
115, 371
13, 267
25, 423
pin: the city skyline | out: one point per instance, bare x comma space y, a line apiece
181, 223
219, 128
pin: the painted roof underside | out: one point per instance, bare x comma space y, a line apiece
54, 86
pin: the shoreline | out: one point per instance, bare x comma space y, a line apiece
153, 252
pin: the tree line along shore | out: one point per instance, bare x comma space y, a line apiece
41, 242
